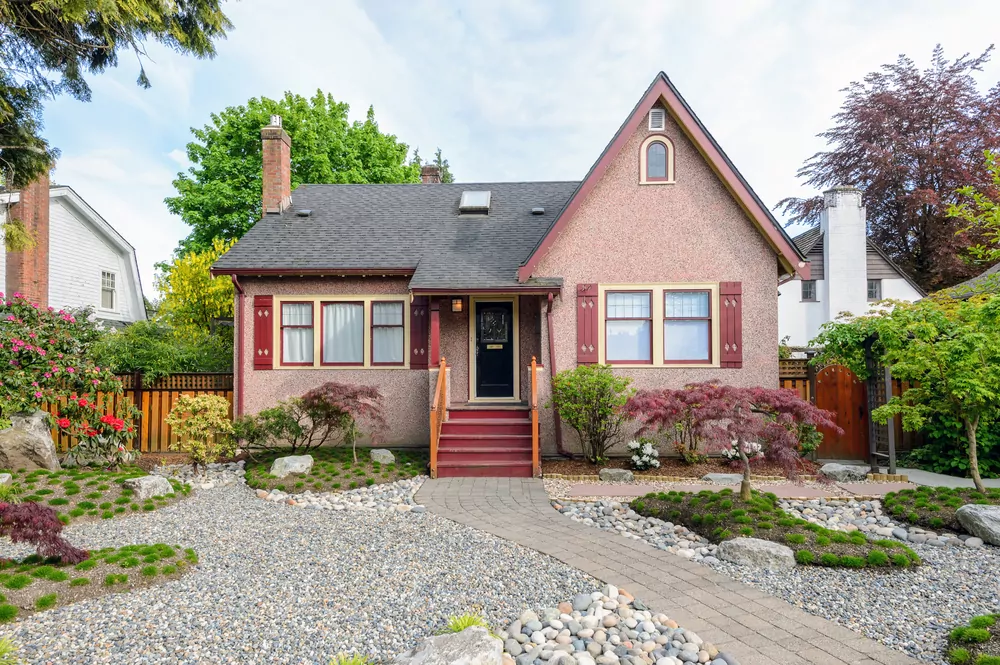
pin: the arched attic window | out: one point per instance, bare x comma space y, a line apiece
656, 159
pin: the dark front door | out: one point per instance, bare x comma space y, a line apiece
494, 349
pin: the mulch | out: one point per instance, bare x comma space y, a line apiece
671, 467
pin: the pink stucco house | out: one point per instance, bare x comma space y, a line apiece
661, 262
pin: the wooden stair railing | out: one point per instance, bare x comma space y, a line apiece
536, 467
439, 410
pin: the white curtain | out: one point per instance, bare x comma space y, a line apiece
297, 343
628, 340
685, 340
344, 333
387, 332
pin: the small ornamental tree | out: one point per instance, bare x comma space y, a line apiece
102, 427
38, 525
725, 416
203, 427
357, 408
591, 400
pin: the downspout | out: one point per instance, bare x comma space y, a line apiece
552, 376
238, 352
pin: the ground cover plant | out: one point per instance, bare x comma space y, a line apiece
34, 584
723, 515
334, 470
978, 643
935, 507
82, 493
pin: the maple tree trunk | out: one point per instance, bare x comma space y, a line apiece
970, 432
745, 484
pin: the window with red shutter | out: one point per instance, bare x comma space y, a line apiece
587, 324
263, 332
731, 325
419, 318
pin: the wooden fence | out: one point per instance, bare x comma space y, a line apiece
155, 399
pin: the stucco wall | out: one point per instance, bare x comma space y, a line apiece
405, 391
691, 231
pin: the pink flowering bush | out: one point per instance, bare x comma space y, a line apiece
43, 359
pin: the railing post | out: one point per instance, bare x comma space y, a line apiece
438, 410
536, 467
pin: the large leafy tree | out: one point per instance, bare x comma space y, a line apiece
47, 47
981, 212
220, 195
910, 139
191, 299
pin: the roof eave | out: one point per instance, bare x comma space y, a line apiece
314, 272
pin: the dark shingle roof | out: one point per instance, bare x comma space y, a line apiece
987, 282
412, 226
805, 242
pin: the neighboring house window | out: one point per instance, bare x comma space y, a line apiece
656, 161
109, 297
387, 333
809, 289
687, 326
628, 327
343, 333
297, 333
874, 289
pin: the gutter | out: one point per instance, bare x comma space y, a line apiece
552, 376
238, 351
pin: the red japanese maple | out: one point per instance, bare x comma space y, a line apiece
38, 525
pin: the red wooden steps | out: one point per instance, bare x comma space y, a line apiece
486, 441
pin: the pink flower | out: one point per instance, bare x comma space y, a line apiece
47, 375
34, 384
95, 382
38, 394
10, 317
41, 352
70, 370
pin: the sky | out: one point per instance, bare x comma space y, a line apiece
510, 91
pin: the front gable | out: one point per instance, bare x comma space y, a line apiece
679, 126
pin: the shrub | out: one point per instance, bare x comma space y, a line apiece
45, 602
982, 621
985, 659
959, 656
795, 538
969, 635
149, 571
754, 451
10, 493
80, 581
38, 525
17, 582
901, 560
849, 561
8, 652
643, 454
203, 427
456, 624
7, 613
829, 559
878, 558
805, 557
592, 399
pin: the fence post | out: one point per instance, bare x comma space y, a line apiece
811, 376
137, 400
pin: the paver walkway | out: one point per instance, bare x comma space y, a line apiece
756, 628
940, 480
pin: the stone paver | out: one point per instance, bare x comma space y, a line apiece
730, 614
940, 480
875, 489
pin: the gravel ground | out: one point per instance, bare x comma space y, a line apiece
278, 584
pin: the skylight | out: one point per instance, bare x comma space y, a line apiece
475, 202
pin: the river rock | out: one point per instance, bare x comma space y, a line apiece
283, 466
472, 646
616, 475
756, 552
146, 487
382, 456
723, 478
28, 443
982, 521
844, 472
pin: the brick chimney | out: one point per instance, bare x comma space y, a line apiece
430, 174
277, 153
27, 272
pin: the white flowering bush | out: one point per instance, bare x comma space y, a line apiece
753, 451
644, 454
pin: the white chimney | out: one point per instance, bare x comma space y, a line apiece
844, 251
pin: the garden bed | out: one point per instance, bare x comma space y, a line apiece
84, 493
31, 585
334, 470
936, 507
673, 467
978, 643
720, 516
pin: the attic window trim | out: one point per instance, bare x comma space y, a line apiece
467, 205
644, 178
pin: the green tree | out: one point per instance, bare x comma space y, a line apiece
220, 195
949, 352
156, 349
190, 298
591, 399
439, 161
980, 210
48, 47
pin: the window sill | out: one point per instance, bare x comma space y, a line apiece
666, 366
809, 300
657, 182
338, 368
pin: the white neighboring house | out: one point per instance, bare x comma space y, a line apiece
849, 272
78, 259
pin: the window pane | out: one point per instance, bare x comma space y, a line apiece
387, 314
108, 298
808, 290
297, 345
344, 333
874, 289
685, 304
296, 314
628, 306
628, 340
685, 340
656, 160
387, 345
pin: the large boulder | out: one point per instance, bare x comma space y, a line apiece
472, 646
28, 443
756, 552
283, 466
723, 478
382, 456
616, 475
982, 521
146, 487
844, 473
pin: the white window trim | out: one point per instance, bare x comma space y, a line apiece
116, 309
317, 330
657, 315
654, 138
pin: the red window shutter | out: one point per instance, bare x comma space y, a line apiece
263, 332
586, 324
419, 317
731, 306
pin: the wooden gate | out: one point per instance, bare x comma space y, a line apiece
840, 391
